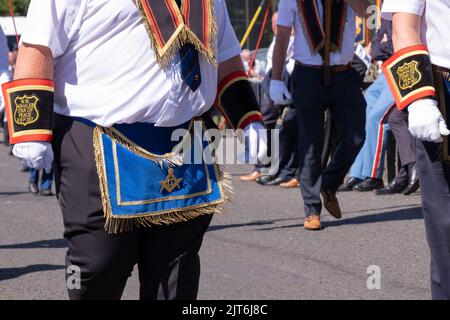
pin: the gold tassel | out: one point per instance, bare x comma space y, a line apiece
100, 164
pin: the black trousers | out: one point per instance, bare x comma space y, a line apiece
287, 125
347, 107
434, 178
167, 256
270, 114
398, 122
406, 144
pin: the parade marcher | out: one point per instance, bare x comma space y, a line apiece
418, 75
40, 182
366, 173
122, 76
270, 111
406, 180
284, 121
322, 78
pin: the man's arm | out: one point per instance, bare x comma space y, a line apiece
33, 73
237, 102
360, 7
279, 52
406, 30
229, 66
34, 62
235, 97
425, 120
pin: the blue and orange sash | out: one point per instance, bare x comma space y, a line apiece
170, 27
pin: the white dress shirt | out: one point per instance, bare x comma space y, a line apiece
105, 67
435, 24
288, 16
290, 62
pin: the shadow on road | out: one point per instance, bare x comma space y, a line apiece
249, 224
398, 215
43, 244
13, 193
12, 273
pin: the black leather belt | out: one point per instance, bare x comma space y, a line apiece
335, 68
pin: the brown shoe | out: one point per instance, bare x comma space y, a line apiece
251, 177
312, 222
330, 202
293, 183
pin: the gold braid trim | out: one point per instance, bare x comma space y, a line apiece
101, 172
115, 224
182, 36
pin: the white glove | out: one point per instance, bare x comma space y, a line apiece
426, 122
279, 93
257, 141
36, 155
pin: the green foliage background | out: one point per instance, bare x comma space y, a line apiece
20, 7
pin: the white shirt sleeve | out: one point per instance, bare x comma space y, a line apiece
228, 44
5, 76
408, 6
286, 16
52, 23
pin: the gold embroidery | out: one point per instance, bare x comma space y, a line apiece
409, 75
26, 111
171, 182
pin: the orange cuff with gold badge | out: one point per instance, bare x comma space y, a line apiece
236, 101
29, 109
409, 75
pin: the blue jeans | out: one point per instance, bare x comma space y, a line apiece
369, 162
46, 179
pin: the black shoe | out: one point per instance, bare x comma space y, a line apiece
413, 184
264, 179
47, 192
392, 188
368, 185
277, 181
33, 188
349, 184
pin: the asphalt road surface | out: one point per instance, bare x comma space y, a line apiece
258, 249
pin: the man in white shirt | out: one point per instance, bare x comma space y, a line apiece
322, 78
418, 75
123, 76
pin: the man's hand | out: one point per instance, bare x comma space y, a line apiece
36, 155
426, 122
257, 141
279, 93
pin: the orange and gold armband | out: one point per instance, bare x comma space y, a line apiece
409, 75
29, 109
236, 101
